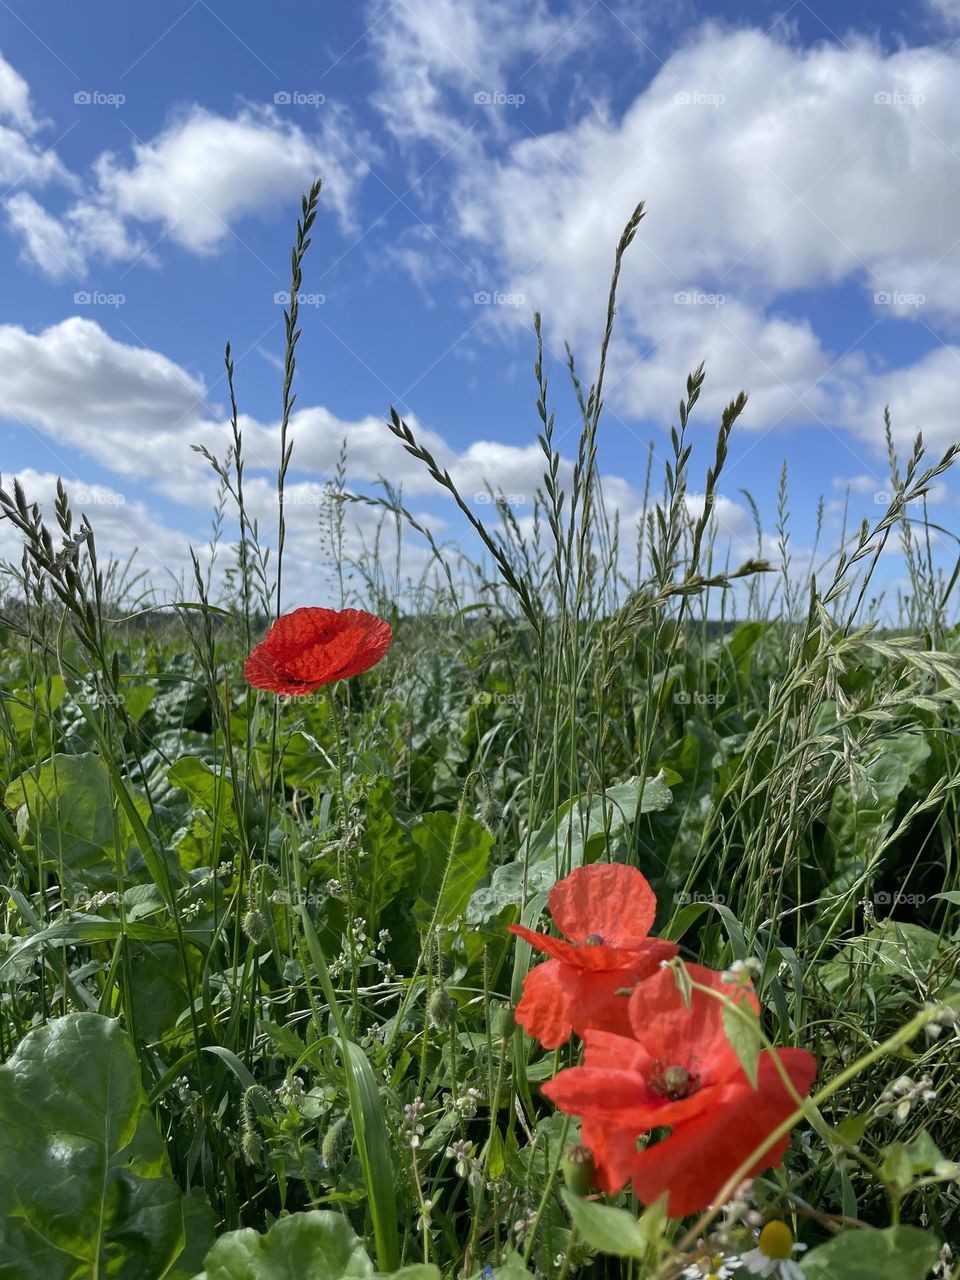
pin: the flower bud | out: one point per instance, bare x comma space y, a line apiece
255, 925
336, 1143
502, 1021
442, 1010
577, 1167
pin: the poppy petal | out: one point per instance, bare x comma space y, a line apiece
309, 647
607, 900
544, 1007
700, 1156
690, 1035
641, 959
614, 1153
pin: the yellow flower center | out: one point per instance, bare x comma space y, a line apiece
776, 1240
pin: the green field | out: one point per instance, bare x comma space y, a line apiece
258, 985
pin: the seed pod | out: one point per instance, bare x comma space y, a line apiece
577, 1166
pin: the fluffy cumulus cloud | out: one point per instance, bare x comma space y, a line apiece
192, 184
758, 160
124, 528
136, 414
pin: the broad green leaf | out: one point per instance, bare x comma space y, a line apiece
447, 874
897, 1253
65, 810
605, 1228
387, 860
580, 831
85, 1186
318, 1244
858, 823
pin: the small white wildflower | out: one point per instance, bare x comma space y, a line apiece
903, 1095
774, 1253
411, 1119
712, 1267
742, 972
291, 1091
462, 1154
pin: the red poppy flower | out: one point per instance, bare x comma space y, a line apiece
679, 1071
605, 911
310, 647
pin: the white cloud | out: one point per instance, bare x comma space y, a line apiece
44, 239
766, 168
921, 398
429, 48
15, 101
121, 526
22, 159
193, 184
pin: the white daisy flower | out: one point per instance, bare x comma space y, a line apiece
773, 1255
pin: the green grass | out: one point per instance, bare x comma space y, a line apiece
280, 928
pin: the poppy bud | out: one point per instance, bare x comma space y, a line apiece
491, 815
442, 1010
336, 1143
251, 1146
502, 1021
255, 925
577, 1167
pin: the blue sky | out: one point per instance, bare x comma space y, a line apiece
801, 167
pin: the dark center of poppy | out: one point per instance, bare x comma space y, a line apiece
673, 1082
593, 940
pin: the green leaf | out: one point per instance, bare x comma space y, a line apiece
387, 861
897, 1253
858, 824
852, 1128
448, 875
65, 811
85, 1189
605, 1228
741, 1025
581, 831
317, 1244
